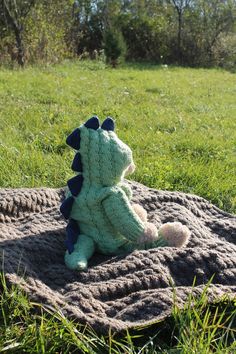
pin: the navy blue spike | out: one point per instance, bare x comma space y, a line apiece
92, 123
69, 246
108, 124
77, 163
72, 232
73, 139
75, 184
66, 207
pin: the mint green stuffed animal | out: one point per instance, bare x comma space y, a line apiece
101, 216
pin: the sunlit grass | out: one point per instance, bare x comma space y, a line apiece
179, 122
28, 327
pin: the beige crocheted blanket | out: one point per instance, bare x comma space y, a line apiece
118, 292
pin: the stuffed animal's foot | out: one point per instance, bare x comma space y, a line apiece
175, 234
83, 250
75, 262
140, 212
172, 234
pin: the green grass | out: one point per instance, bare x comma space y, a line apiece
27, 327
179, 122
181, 126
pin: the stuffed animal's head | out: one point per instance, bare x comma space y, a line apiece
102, 159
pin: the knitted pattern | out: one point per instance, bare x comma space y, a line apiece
124, 291
101, 217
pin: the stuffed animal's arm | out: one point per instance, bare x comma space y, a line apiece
121, 215
126, 188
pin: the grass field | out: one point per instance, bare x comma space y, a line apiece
181, 126
26, 327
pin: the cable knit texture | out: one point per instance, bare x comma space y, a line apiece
123, 291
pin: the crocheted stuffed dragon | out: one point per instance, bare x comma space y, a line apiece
101, 216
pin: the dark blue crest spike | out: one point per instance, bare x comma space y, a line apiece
108, 124
72, 232
77, 163
75, 185
66, 207
92, 123
73, 139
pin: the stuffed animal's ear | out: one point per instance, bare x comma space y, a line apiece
92, 123
108, 124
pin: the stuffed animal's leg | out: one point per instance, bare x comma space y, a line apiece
172, 234
83, 251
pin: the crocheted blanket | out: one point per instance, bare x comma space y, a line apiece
118, 292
